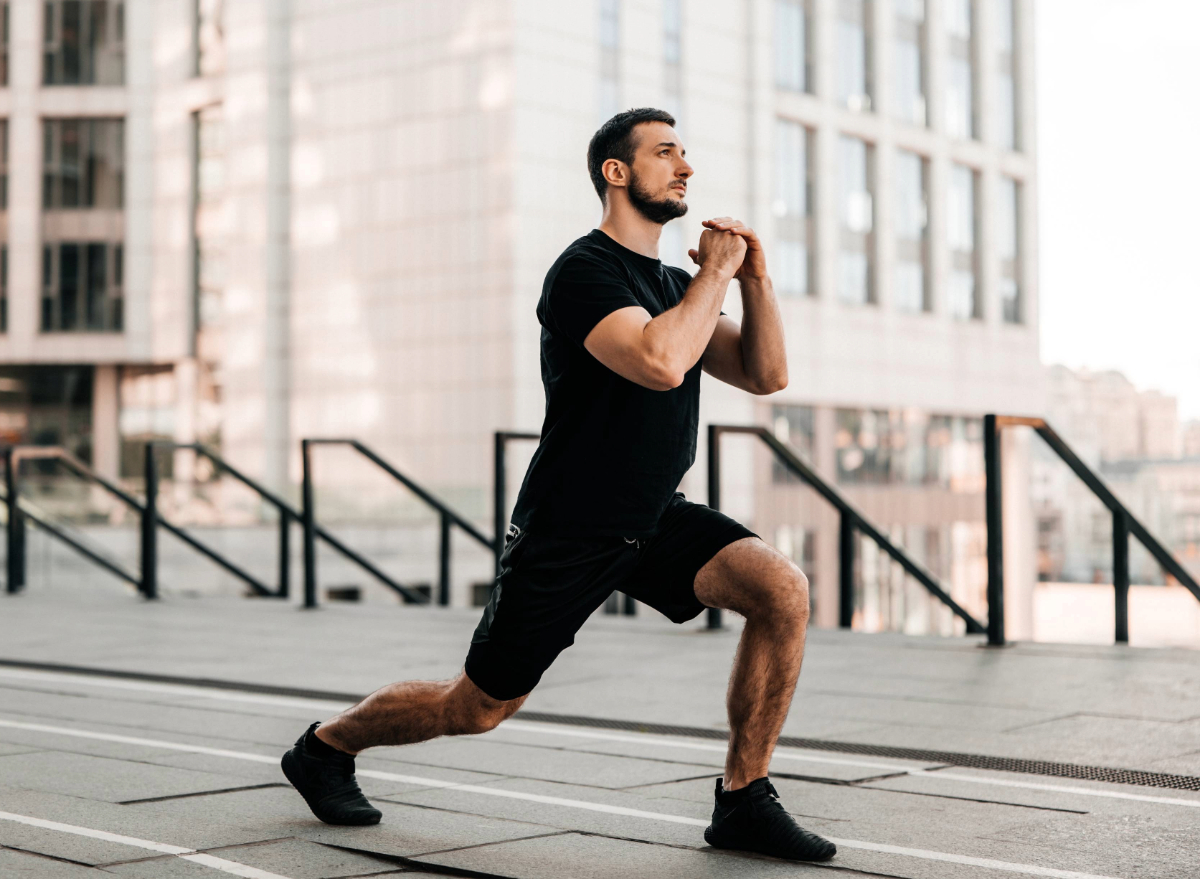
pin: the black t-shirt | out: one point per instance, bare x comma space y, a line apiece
612, 452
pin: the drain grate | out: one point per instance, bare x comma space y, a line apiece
950, 758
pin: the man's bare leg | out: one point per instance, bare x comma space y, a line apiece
750, 578
754, 580
415, 711
321, 763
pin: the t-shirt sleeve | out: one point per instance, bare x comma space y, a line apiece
584, 292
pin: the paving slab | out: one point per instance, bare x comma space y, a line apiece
294, 858
596, 857
140, 821
102, 778
547, 764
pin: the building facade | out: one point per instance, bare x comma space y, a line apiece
247, 223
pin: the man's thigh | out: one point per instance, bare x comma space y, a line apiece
547, 588
687, 538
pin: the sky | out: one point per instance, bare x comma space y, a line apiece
1118, 147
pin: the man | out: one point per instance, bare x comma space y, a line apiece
623, 341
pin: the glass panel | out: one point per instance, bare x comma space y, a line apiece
853, 54
960, 210
791, 45
960, 72
84, 163
791, 207
856, 210
909, 60
84, 42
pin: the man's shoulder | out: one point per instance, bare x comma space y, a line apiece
582, 258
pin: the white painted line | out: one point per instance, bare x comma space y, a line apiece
175, 690
553, 730
925, 854
186, 854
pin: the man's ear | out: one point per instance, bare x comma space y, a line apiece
616, 172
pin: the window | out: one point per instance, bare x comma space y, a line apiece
796, 426
793, 209
791, 45
673, 56
610, 42
854, 54
84, 163
81, 287
909, 447
1006, 74
857, 210
912, 232
960, 70
1009, 248
909, 74
3, 288
961, 224
3, 164
147, 397
84, 42
4, 43
211, 219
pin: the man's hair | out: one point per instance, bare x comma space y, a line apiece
615, 140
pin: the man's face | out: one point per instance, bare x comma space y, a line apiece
658, 179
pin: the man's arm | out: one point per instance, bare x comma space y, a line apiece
751, 357
657, 352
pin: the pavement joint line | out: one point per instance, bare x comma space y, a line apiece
562, 802
186, 854
200, 793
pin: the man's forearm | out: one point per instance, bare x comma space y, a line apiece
764, 353
677, 337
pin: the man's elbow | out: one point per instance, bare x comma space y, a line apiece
662, 375
771, 385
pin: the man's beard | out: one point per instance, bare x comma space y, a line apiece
656, 211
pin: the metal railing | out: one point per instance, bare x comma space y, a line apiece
1124, 524
19, 512
500, 486
151, 519
852, 522
448, 518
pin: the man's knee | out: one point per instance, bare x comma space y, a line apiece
784, 595
471, 711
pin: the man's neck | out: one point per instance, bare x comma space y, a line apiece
635, 232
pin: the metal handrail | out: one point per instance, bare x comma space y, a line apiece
1124, 524
113, 567
448, 517
500, 486
17, 513
851, 521
150, 518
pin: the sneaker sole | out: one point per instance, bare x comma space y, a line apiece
294, 775
712, 839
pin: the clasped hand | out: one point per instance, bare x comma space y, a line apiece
730, 245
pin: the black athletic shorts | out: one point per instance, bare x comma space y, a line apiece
549, 585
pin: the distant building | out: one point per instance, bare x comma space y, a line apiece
244, 223
1134, 440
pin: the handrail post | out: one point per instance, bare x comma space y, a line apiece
310, 530
1121, 574
714, 499
845, 570
285, 554
499, 499
444, 563
995, 531
149, 585
15, 562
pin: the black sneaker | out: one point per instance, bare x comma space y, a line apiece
326, 781
753, 820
